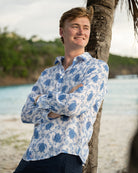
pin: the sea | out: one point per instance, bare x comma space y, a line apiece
121, 98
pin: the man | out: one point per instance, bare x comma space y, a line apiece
64, 102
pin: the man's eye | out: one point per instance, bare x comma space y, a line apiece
75, 26
86, 28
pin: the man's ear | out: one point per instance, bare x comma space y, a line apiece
61, 32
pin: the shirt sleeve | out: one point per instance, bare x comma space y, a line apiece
31, 113
78, 102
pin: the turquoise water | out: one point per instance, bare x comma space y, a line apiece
121, 99
12, 99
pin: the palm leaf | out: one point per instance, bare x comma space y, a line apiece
132, 8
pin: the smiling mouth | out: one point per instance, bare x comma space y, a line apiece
81, 38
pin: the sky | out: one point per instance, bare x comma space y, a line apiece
41, 18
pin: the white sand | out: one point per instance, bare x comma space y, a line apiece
115, 138
114, 141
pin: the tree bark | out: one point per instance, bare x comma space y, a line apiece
98, 47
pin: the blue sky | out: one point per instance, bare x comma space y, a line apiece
41, 18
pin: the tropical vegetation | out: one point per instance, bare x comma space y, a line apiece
21, 57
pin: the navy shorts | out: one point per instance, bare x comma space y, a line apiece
62, 163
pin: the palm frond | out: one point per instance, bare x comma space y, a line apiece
132, 8
116, 3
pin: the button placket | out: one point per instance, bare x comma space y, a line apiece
60, 80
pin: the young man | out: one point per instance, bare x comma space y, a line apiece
64, 102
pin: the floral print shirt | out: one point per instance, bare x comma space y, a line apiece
71, 132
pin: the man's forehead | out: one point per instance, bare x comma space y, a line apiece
83, 20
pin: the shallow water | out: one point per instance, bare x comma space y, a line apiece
121, 99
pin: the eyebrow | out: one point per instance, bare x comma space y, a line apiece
78, 25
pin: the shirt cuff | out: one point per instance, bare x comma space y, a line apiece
41, 103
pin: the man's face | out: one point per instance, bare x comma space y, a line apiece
76, 33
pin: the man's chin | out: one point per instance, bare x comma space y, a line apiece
80, 45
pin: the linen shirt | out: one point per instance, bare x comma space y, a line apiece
71, 132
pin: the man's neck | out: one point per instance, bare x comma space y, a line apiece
69, 57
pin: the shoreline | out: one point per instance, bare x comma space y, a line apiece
11, 81
116, 133
15, 81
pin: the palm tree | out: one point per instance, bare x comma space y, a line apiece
98, 46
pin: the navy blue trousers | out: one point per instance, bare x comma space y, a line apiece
62, 163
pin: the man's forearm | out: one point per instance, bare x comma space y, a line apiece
54, 115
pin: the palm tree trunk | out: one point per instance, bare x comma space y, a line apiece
98, 47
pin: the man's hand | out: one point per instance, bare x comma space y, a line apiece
37, 98
75, 88
53, 115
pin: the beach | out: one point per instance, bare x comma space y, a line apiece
116, 133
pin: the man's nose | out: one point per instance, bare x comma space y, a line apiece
80, 30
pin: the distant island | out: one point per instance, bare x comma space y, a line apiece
22, 60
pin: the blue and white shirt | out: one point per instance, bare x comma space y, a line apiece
71, 132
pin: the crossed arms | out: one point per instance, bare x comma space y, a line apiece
54, 115
81, 98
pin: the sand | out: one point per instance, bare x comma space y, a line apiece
116, 133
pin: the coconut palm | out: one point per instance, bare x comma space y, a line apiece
98, 46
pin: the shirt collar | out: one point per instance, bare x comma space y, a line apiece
83, 57
59, 59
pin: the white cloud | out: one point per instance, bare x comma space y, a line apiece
35, 17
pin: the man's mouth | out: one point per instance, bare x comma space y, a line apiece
81, 38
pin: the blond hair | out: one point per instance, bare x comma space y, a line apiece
74, 13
